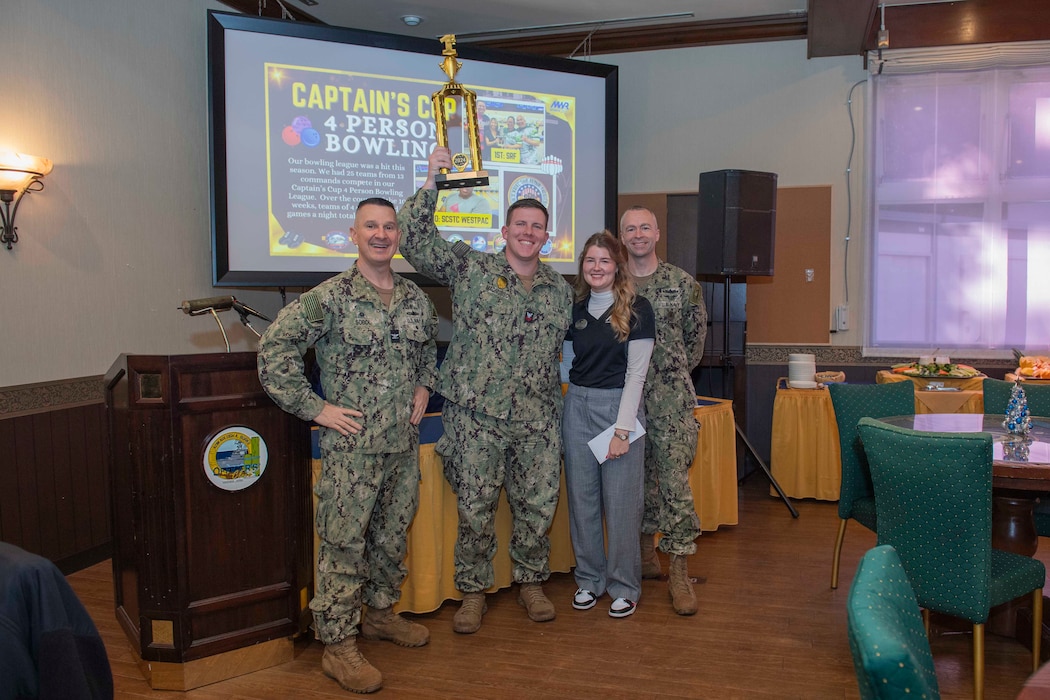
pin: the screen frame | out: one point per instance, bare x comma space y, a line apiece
221, 22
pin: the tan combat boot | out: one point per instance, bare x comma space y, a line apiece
683, 598
343, 662
539, 607
650, 561
385, 624
468, 618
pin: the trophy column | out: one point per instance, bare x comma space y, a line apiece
476, 176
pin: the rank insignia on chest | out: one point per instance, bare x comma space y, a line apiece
581, 324
501, 282
530, 316
395, 335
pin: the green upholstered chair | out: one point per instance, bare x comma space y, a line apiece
891, 652
996, 398
933, 492
856, 496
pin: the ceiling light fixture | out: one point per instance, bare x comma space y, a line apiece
411, 20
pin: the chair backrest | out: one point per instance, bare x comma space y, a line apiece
891, 653
852, 402
997, 397
933, 494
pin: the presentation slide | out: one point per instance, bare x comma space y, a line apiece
306, 128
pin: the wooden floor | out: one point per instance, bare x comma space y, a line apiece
768, 627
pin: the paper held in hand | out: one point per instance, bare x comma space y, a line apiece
599, 444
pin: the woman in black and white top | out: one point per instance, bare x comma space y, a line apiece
605, 357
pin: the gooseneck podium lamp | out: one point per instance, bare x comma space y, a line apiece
212, 305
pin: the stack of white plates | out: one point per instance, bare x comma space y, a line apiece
802, 370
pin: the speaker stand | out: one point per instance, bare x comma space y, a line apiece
727, 367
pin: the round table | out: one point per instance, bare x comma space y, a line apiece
1020, 474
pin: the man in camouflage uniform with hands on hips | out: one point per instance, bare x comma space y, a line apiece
672, 430
373, 334
503, 400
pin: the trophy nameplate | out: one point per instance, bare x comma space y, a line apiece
460, 177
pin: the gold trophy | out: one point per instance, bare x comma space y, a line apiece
447, 180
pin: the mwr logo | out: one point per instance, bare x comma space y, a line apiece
559, 105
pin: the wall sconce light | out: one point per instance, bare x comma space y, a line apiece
19, 174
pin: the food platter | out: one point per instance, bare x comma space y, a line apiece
1033, 367
934, 370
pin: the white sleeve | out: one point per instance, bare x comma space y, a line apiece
567, 356
638, 354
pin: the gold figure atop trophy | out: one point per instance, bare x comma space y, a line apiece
476, 177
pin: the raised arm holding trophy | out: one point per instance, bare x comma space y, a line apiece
476, 177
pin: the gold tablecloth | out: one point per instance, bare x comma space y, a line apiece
968, 399
432, 535
965, 383
713, 473
804, 446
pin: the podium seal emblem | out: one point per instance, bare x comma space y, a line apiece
235, 458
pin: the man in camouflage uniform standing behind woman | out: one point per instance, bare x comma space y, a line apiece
502, 390
671, 437
373, 334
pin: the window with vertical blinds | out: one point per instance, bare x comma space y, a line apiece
959, 192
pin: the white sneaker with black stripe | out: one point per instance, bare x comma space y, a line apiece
621, 607
584, 599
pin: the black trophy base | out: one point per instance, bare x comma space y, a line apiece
470, 178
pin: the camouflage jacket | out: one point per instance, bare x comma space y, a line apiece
503, 357
371, 358
681, 328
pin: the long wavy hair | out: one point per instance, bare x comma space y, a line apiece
623, 287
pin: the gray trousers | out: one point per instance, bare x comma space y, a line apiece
610, 560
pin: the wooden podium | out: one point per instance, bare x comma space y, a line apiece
212, 556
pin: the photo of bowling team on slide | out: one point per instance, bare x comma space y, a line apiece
513, 138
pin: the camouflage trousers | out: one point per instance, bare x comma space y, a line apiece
482, 455
670, 446
365, 504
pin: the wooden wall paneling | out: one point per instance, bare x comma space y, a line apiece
54, 485
47, 498
26, 469
732, 30
80, 478
62, 479
962, 23
785, 308
95, 464
10, 497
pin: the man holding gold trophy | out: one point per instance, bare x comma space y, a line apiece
500, 379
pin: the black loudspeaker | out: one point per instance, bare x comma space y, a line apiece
681, 231
736, 218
